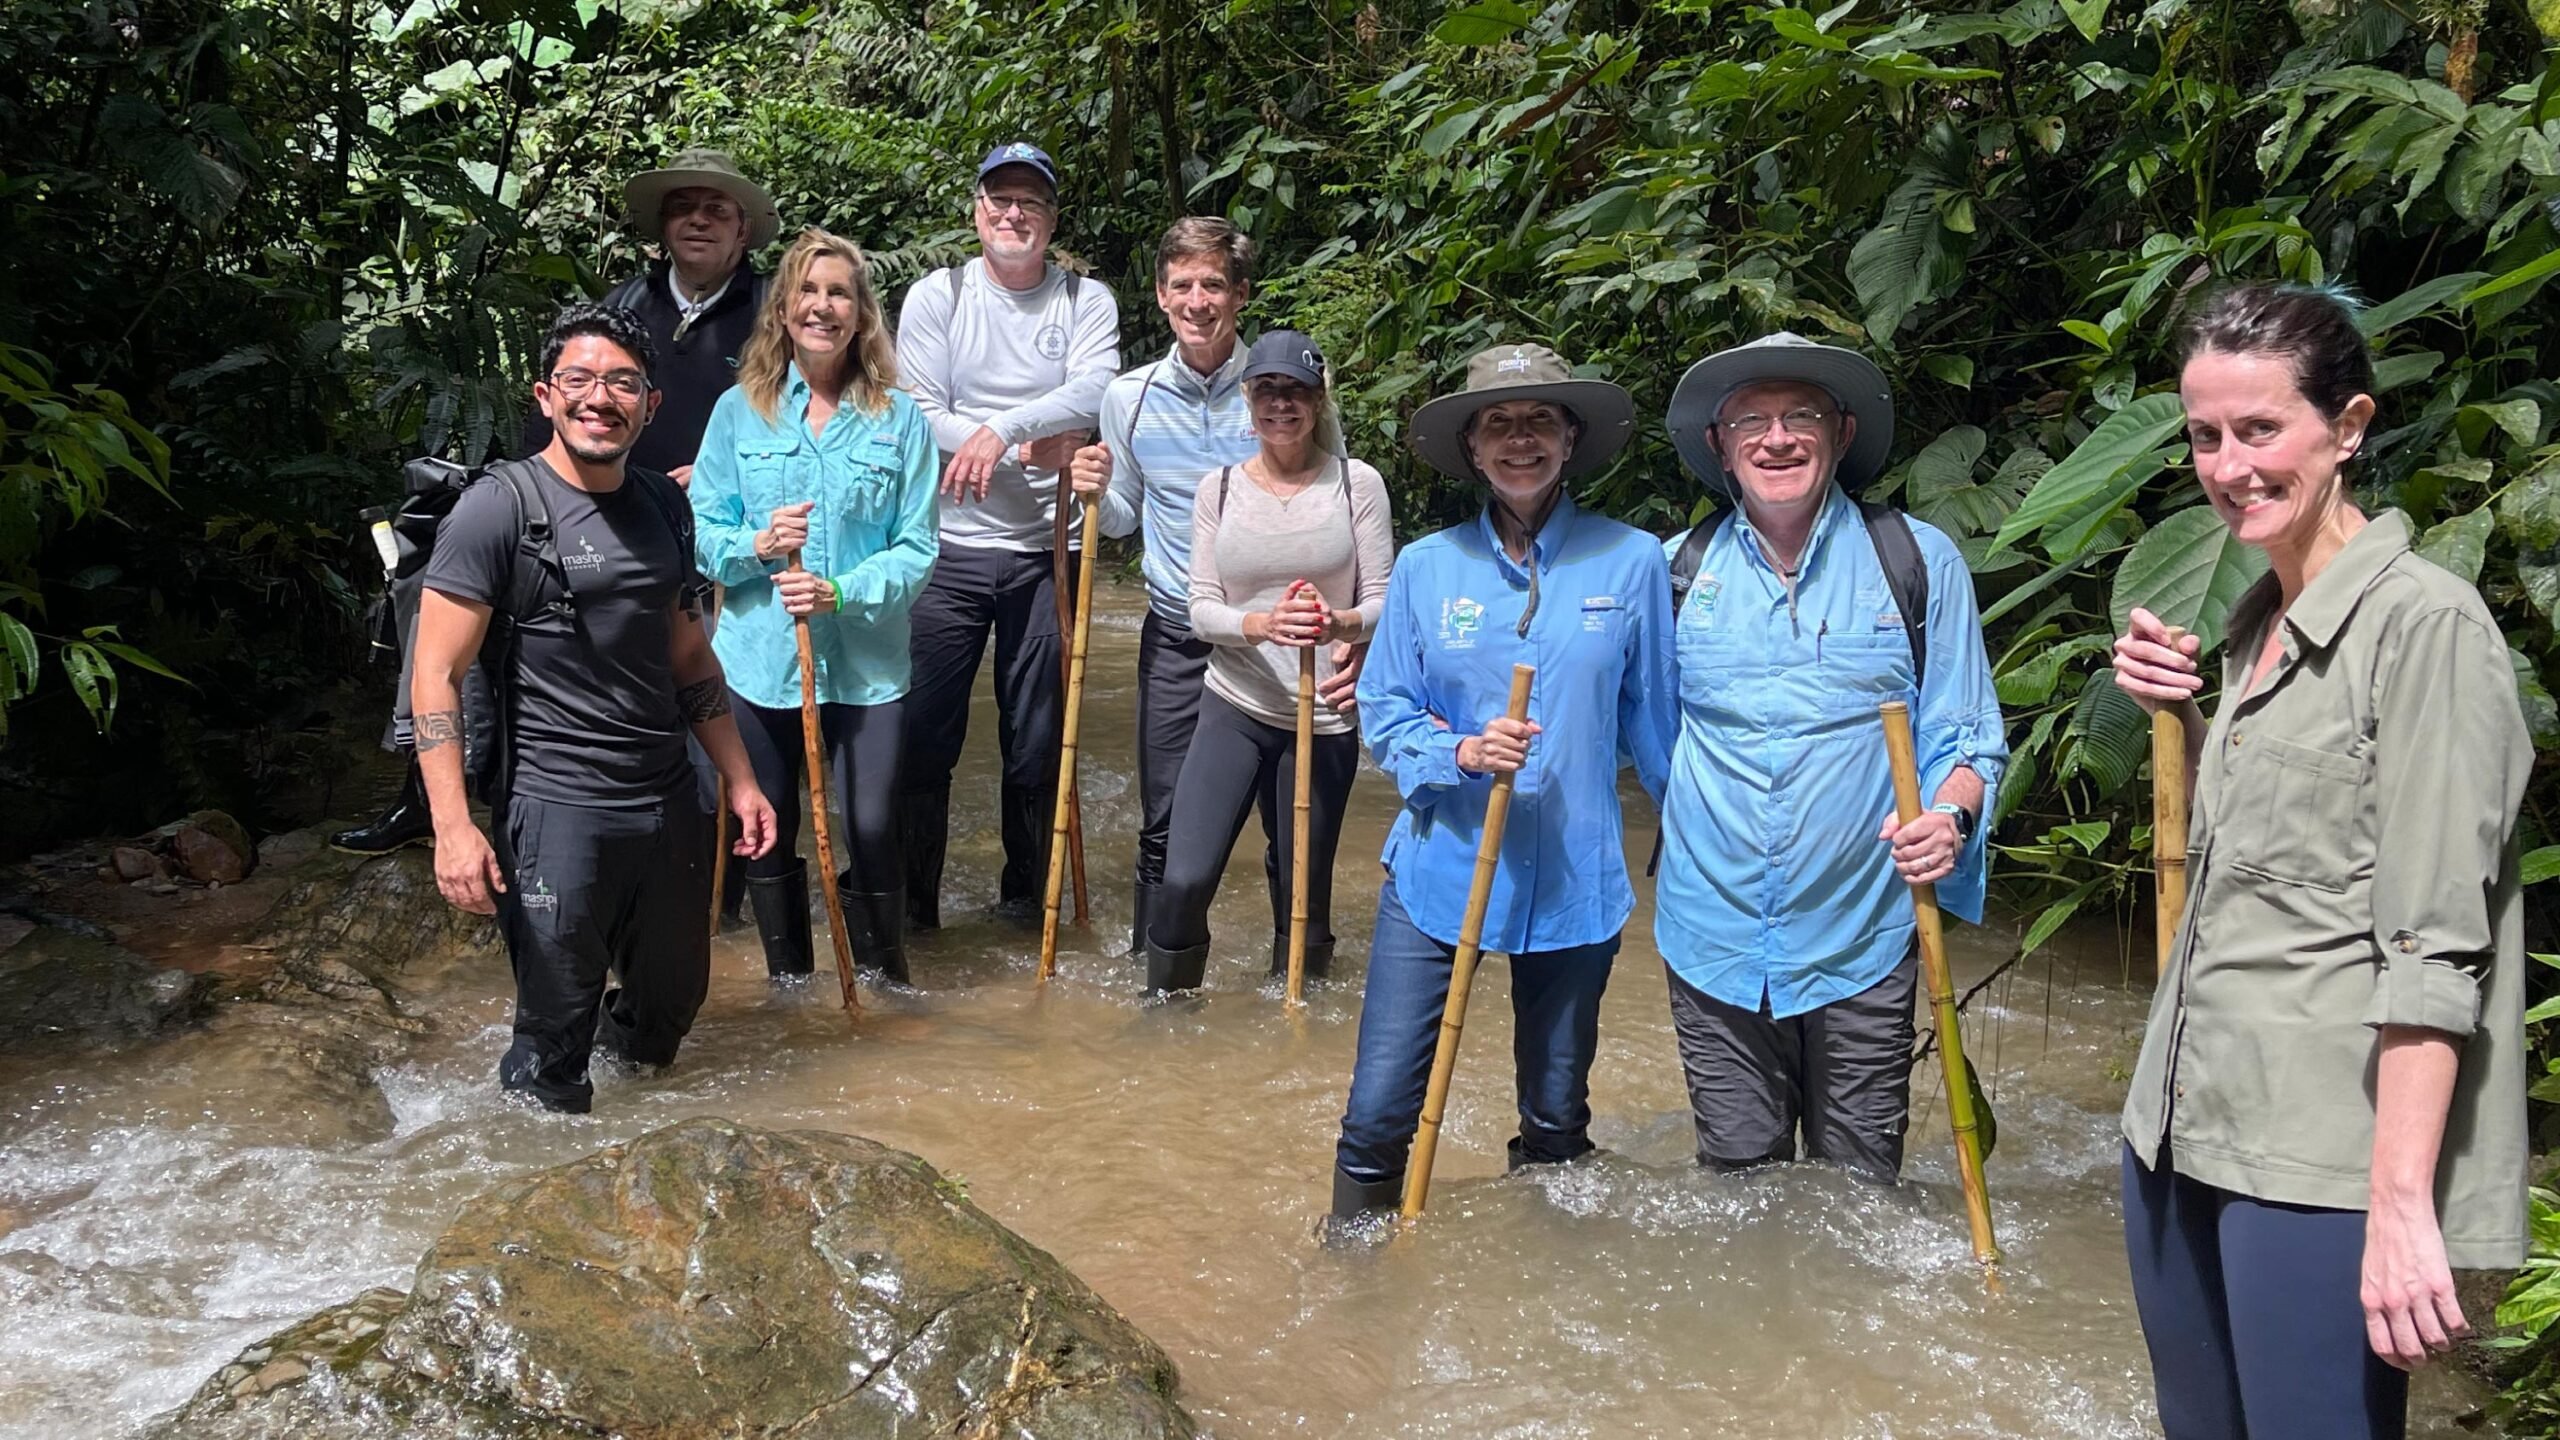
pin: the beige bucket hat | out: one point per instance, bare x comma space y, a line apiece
1525, 372
711, 169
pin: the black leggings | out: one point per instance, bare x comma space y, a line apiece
862, 755
1236, 763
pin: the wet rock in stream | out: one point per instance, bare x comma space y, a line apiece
710, 1279
58, 985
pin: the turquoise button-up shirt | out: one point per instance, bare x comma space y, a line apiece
874, 533
1441, 667
1774, 886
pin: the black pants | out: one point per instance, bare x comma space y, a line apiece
1173, 668
972, 592
1236, 764
863, 744
2254, 1314
590, 891
1842, 1072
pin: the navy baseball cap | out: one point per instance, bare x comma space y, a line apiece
1286, 353
1020, 152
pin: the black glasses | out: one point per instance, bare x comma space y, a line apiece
579, 384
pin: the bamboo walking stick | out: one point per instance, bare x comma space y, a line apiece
1303, 833
1942, 993
1067, 748
816, 763
1462, 971
1058, 589
2168, 822
719, 852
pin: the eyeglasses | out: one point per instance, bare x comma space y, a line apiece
1031, 206
579, 384
1751, 425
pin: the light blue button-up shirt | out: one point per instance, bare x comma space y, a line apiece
1774, 886
1441, 668
874, 534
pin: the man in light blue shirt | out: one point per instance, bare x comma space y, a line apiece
1783, 911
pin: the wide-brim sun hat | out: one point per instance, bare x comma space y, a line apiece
645, 192
1851, 378
1524, 372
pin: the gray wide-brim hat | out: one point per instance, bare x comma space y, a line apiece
712, 170
1525, 372
1852, 378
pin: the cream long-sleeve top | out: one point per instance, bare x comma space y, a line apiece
1248, 546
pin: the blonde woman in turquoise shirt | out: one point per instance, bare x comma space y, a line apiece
814, 453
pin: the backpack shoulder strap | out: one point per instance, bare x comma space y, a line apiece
1224, 473
537, 547
677, 511
1693, 553
627, 294
1906, 575
952, 278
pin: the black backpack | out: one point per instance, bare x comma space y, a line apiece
1906, 573
435, 486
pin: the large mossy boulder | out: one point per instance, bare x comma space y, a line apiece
58, 985
711, 1279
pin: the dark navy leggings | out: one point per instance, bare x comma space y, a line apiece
2253, 1314
864, 745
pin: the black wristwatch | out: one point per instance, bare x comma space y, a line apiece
1964, 819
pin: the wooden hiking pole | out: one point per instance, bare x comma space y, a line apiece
1058, 588
1942, 993
816, 760
1462, 971
2168, 821
1303, 831
1067, 749
719, 852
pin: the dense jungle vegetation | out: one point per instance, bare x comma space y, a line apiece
258, 251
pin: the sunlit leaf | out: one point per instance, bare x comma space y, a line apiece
2189, 570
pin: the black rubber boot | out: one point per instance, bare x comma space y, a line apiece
1171, 972
1319, 958
782, 921
1022, 890
924, 830
407, 822
877, 921
1519, 1157
1355, 1198
1141, 896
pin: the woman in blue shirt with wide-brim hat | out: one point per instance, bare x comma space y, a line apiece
1534, 580
814, 453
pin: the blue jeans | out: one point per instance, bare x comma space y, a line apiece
1555, 1008
2254, 1314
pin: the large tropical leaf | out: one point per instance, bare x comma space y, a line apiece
2189, 571
2129, 437
2110, 736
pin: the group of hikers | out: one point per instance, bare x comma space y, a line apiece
2328, 1110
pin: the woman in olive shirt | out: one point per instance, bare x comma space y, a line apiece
2328, 1113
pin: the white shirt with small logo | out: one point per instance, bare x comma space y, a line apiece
1026, 364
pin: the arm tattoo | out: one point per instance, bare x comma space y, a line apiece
704, 700
436, 729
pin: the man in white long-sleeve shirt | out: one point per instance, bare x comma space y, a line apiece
1007, 356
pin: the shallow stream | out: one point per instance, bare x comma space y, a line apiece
151, 1224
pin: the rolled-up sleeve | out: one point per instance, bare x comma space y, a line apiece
1415, 749
1959, 716
2451, 755
724, 535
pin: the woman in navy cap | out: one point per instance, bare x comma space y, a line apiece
1290, 550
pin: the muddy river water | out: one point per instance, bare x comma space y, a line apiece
1177, 1158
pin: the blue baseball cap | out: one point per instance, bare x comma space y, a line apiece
1020, 152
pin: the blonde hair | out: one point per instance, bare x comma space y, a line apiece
768, 355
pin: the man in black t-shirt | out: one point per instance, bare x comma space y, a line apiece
602, 854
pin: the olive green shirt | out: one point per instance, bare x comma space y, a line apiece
2354, 866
